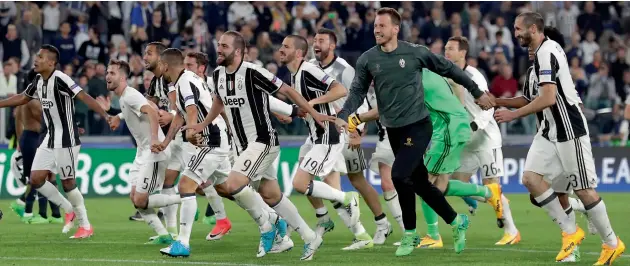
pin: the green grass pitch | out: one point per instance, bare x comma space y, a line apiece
118, 241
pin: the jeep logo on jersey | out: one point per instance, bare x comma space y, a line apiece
233, 102
47, 103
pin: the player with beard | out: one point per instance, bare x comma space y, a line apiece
396, 69
562, 140
324, 46
147, 174
242, 89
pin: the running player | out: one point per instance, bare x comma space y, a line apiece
324, 47
562, 140
401, 99
59, 150
147, 174
242, 89
483, 151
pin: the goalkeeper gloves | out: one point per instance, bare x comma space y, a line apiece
354, 122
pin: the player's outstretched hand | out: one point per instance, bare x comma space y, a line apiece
485, 102
321, 118
155, 143
504, 115
164, 118
114, 122
104, 102
283, 118
194, 129
301, 113
342, 126
81, 131
355, 141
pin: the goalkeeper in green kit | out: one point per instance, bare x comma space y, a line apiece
397, 68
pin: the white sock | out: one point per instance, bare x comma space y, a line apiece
20, 202
322, 190
577, 205
247, 199
599, 217
52, 193
289, 212
549, 201
357, 228
170, 212
28, 214
151, 218
510, 227
162, 200
187, 218
76, 199
273, 216
216, 202
571, 214
391, 199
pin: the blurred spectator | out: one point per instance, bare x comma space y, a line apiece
122, 52
138, 41
169, 11
367, 31
474, 24
589, 46
504, 85
140, 15
80, 108
455, 24
146, 82
436, 46
12, 46
299, 21
567, 20
589, 20
241, 13
263, 14
330, 19
309, 10
8, 80
81, 32
115, 19
579, 76
432, 29
136, 69
248, 34
8, 12
617, 68
200, 28
593, 67
97, 87
252, 55
265, 47
499, 25
272, 67
405, 24
92, 49
68, 70
499, 47
29, 32
65, 44
574, 49
156, 32
415, 36
601, 92
480, 44
185, 40
216, 14
54, 14
354, 34
281, 17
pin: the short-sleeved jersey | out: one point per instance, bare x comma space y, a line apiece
564, 120
245, 95
311, 82
370, 100
530, 91
488, 136
159, 89
56, 97
193, 90
341, 71
131, 101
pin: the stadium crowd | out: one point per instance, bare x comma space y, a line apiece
88, 34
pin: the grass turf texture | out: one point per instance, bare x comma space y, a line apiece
118, 241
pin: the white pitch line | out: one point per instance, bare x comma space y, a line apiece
534, 251
173, 261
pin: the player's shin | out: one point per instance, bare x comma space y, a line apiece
597, 214
303, 182
170, 212
289, 212
431, 218
509, 225
548, 200
151, 218
391, 199
162, 200
52, 193
186, 217
215, 201
247, 199
76, 199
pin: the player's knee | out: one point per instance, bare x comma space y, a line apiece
301, 186
186, 185
531, 179
140, 201
387, 185
38, 178
223, 191
587, 196
68, 184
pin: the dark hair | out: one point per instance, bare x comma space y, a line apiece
95, 30
461, 41
201, 58
53, 50
300, 43
159, 46
393, 14
499, 33
173, 56
533, 18
554, 35
123, 66
188, 30
331, 34
239, 41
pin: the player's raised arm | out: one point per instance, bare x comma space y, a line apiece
24, 97
315, 77
278, 106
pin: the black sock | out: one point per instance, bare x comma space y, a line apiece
43, 205
30, 199
209, 211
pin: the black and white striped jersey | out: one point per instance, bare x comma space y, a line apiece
530, 91
370, 100
312, 82
193, 90
564, 120
56, 97
159, 89
245, 95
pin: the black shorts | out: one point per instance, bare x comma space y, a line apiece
29, 142
409, 143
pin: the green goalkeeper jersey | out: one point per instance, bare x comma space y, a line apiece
448, 115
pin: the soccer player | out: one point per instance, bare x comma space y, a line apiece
147, 174
562, 140
395, 67
59, 150
242, 89
324, 47
483, 151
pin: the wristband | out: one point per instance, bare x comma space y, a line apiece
294, 112
121, 116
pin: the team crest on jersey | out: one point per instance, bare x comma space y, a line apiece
221, 87
240, 83
402, 63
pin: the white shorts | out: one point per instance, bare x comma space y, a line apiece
323, 159
355, 160
148, 177
382, 154
308, 146
205, 164
571, 161
257, 161
489, 160
58, 160
176, 160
